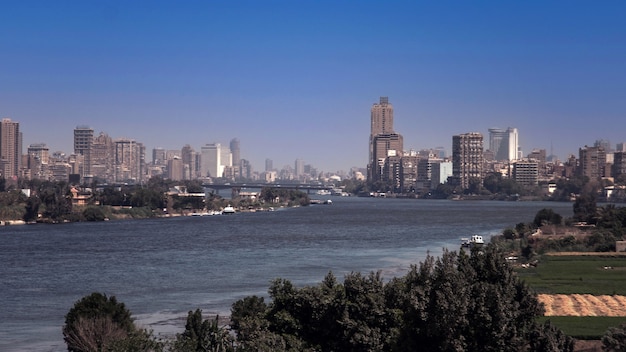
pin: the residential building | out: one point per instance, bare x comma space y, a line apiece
158, 156
408, 170
619, 164
526, 173
103, 158
10, 148
175, 169
467, 158
83, 143
592, 162
129, 156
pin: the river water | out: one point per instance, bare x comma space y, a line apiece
162, 268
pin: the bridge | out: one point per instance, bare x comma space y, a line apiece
297, 186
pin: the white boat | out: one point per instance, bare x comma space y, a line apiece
228, 210
475, 240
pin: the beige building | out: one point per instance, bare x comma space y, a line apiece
10, 148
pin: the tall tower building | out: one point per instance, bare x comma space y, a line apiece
384, 142
129, 159
211, 165
504, 143
299, 167
103, 158
10, 148
234, 150
467, 158
83, 142
269, 165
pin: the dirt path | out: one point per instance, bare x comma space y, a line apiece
584, 305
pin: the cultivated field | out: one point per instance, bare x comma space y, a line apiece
584, 305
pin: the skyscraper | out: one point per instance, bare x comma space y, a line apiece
384, 142
269, 165
234, 150
83, 142
592, 162
299, 167
10, 148
504, 143
467, 158
211, 165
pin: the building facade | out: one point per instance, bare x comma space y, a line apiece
467, 158
384, 142
592, 162
10, 148
504, 144
83, 144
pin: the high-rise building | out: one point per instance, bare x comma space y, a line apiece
234, 150
299, 167
269, 165
620, 147
158, 156
10, 148
128, 160
619, 164
83, 142
467, 158
384, 142
102, 158
592, 162
212, 160
175, 169
504, 144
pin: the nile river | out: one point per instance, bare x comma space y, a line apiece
162, 268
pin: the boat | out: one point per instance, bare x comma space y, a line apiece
475, 240
228, 210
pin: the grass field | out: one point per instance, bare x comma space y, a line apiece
584, 328
596, 275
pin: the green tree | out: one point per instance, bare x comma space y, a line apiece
585, 207
96, 322
547, 216
203, 335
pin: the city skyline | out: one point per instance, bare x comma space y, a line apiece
297, 81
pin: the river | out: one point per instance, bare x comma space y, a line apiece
162, 268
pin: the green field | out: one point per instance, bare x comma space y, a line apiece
584, 328
582, 275
596, 275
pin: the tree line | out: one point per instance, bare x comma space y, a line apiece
466, 301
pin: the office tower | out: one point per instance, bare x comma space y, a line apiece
504, 143
10, 148
211, 165
467, 158
246, 169
592, 162
384, 142
620, 147
234, 149
226, 159
269, 165
299, 167
83, 141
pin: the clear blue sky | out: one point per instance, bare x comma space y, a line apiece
296, 79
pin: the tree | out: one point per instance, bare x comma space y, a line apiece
547, 216
203, 335
96, 322
614, 340
585, 207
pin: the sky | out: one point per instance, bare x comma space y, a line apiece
296, 79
